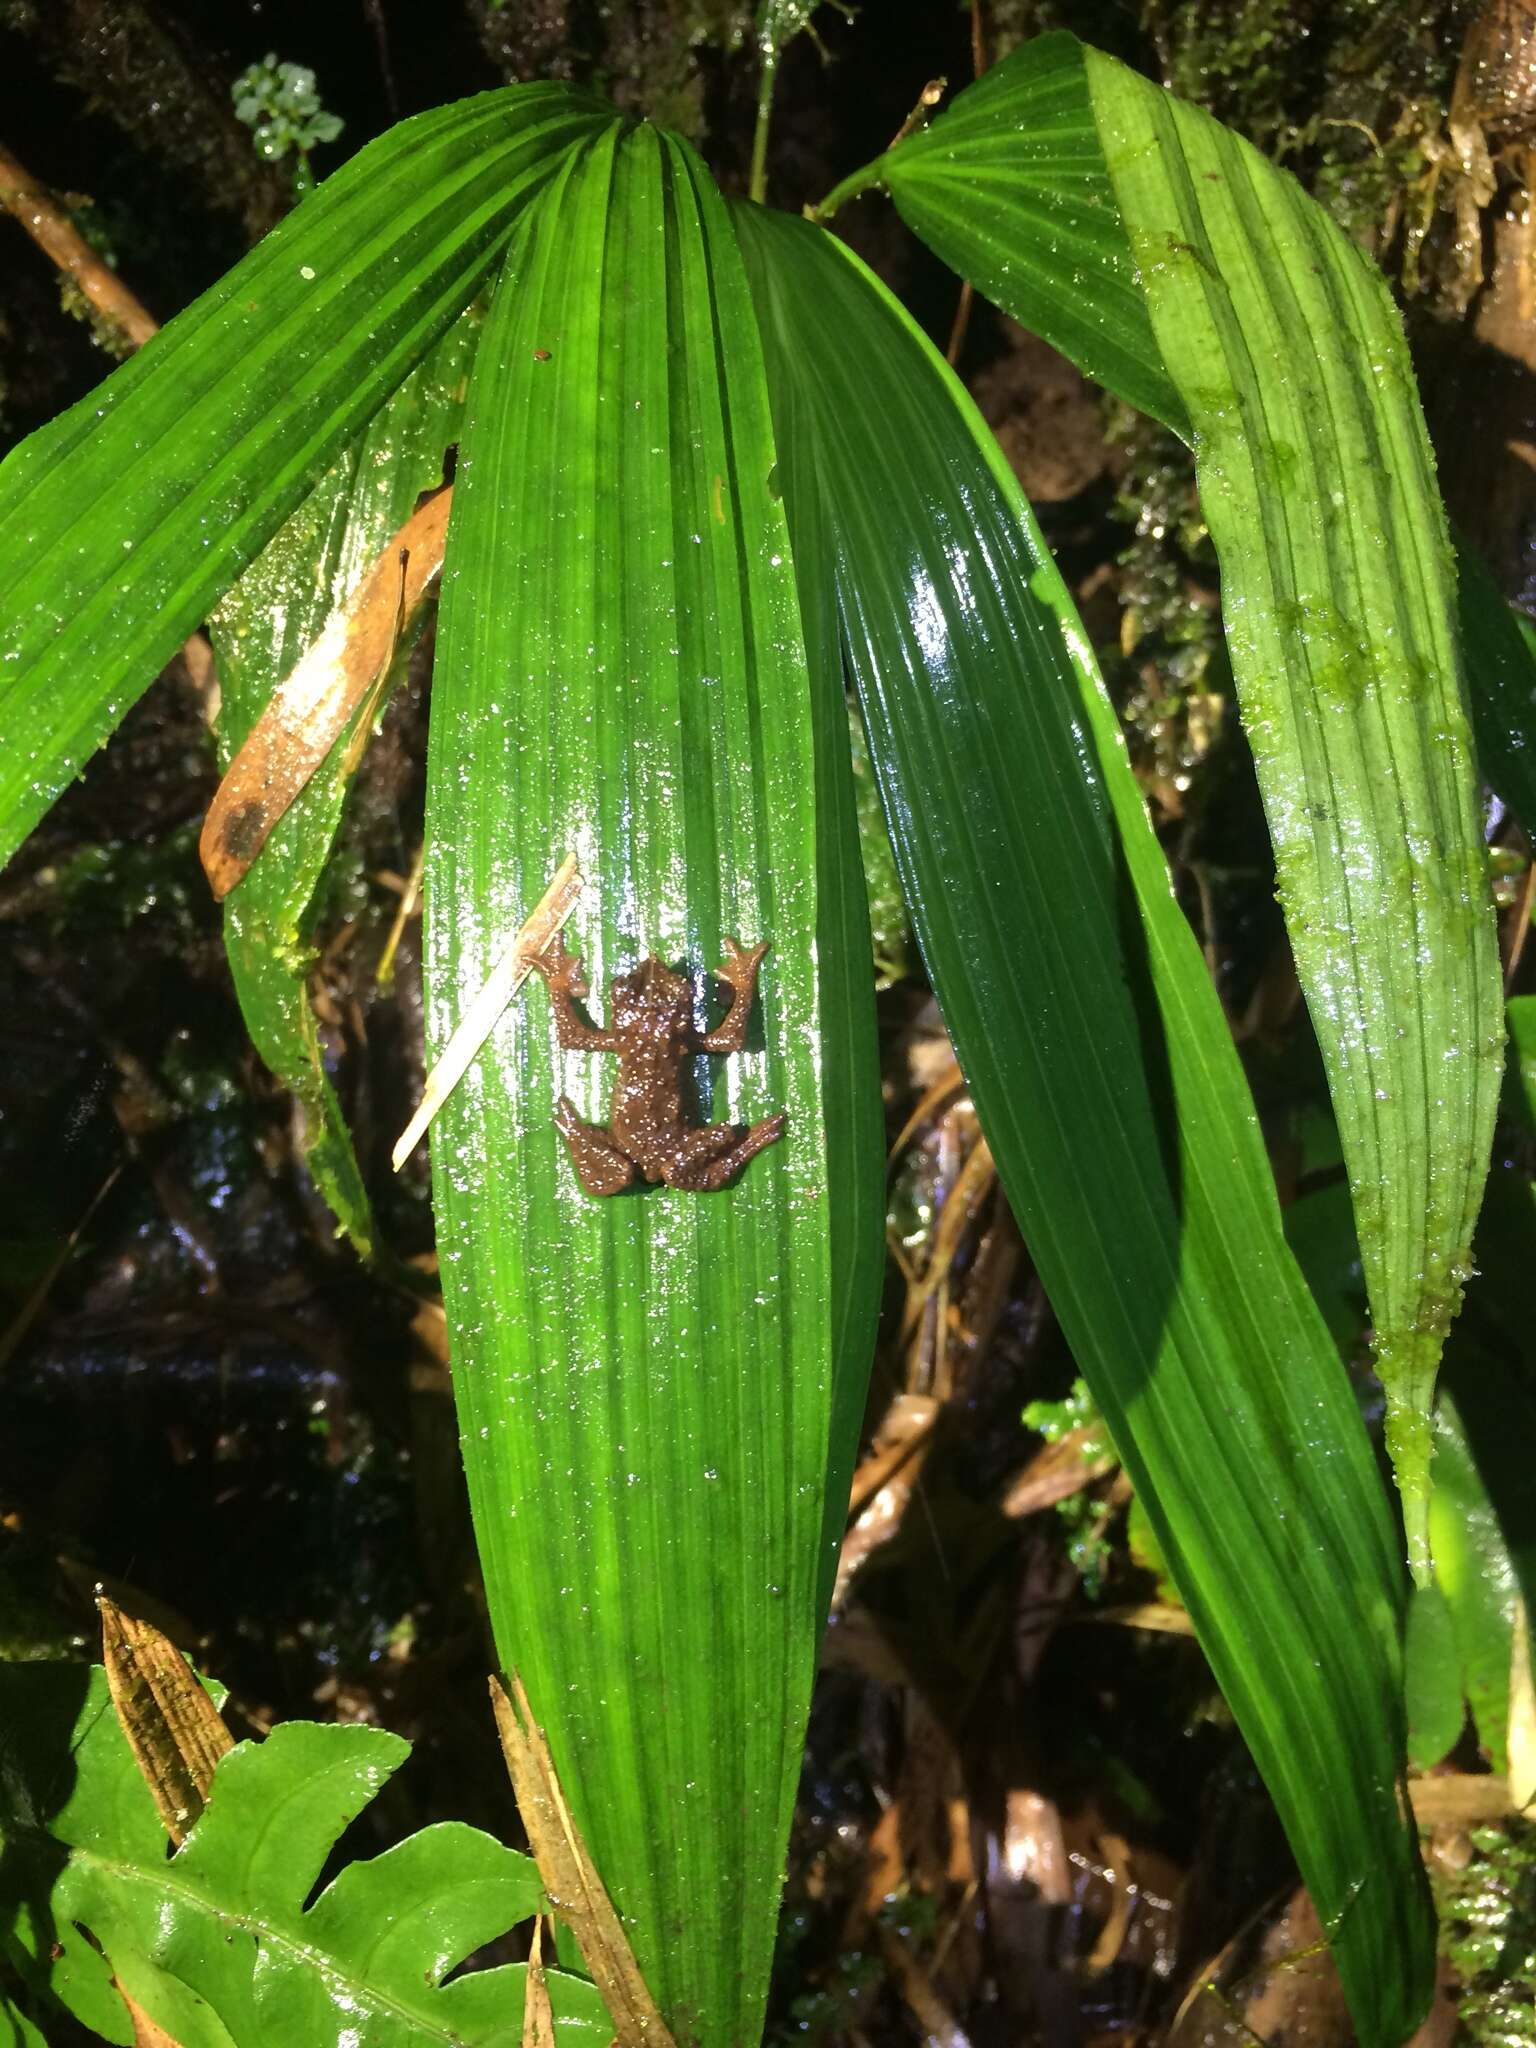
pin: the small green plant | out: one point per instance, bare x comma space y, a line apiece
1057, 1419
281, 107
221, 1940
1490, 1918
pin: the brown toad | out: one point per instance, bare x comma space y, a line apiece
649, 1131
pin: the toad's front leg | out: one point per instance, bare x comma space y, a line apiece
565, 981
740, 973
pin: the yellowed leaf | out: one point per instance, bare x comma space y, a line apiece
575, 1890
173, 1728
1520, 1739
309, 709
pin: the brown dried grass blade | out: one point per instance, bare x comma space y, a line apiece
173, 1728
538, 2013
310, 708
501, 984
570, 1878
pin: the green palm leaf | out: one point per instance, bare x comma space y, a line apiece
127, 518
1290, 376
1105, 1077
261, 628
658, 1392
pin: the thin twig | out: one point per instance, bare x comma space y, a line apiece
58, 237
927, 100
962, 319
757, 178
410, 896
1518, 924
374, 9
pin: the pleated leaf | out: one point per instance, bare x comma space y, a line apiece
124, 521
1105, 1077
215, 1942
1035, 224
261, 628
1338, 585
658, 1391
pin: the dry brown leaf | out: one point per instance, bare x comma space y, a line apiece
147, 2033
570, 1878
1156, 1615
173, 1728
906, 1427
938, 1096
1054, 1474
538, 2013
501, 984
1459, 1799
310, 708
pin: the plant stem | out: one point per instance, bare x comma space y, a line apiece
46, 221
757, 181
55, 233
850, 188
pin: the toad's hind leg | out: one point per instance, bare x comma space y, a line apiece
600, 1166
716, 1153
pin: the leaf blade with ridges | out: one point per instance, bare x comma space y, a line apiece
646, 1383
124, 521
1106, 1081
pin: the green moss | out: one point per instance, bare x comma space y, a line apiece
1170, 627
1488, 1919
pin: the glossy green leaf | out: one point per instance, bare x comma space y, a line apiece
128, 517
1474, 1569
1500, 650
889, 929
1338, 591
658, 1391
215, 1942
260, 630
1010, 187
1104, 1076
1432, 1677
1521, 1014
1320, 1230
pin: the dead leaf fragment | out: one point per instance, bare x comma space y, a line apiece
1455, 1799
173, 1728
512, 969
570, 1877
309, 709
147, 2033
538, 2013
